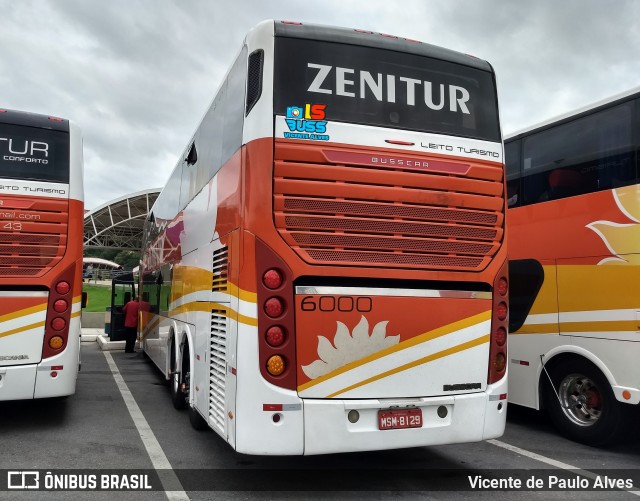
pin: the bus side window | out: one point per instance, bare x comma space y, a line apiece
584, 155
514, 174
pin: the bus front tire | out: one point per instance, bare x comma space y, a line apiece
583, 406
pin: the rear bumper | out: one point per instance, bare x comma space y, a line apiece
469, 418
25, 382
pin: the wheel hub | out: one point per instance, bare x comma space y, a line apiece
580, 399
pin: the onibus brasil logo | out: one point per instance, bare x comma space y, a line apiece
306, 122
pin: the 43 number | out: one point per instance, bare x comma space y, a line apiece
13, 226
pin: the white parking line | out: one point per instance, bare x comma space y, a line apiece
170, 481
551, 462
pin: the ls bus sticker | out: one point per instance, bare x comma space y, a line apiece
306, 122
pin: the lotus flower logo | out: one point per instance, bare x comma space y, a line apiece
348, 347
622, 239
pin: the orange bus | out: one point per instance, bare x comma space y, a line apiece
41, 228
325, 270
574, 252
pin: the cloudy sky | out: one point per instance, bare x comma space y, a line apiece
137, 75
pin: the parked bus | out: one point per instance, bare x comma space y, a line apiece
41, 222
326, 267
574, 246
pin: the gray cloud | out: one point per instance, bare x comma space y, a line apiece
138, 75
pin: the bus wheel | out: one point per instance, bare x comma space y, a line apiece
178, 393
584, 408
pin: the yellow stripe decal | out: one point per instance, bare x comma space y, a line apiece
234, 290
536, 329
441, 354
21, 329
208, 306
595, 326
427, 336
150, 327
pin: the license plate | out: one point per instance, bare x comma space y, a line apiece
401, 418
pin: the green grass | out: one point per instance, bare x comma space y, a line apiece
99, 297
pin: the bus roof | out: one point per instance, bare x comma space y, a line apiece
622, 96
376, 40
33, 120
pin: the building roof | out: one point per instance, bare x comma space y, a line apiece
118, 224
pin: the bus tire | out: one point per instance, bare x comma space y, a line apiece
178, 396
585, 409
196, 420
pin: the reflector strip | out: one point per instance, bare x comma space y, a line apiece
281, 407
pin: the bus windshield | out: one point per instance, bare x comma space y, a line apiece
372, 86
35, 154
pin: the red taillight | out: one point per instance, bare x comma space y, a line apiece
58, 324
276, 322
59, 317
56, 119
60, 305
503, 286
499, 332
499, 362
502, 310
272, 279
274, 307
292, 22
275, 335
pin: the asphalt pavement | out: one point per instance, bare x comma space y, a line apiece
99, 431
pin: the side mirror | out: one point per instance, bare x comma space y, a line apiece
85, 299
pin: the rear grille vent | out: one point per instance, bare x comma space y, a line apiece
33, 244
218, 370
354, 213
220, 270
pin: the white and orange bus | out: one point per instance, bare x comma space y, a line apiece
326, 267
574, 250
41, 221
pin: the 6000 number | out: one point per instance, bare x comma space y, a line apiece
362, 304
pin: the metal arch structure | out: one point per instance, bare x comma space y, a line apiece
118, 224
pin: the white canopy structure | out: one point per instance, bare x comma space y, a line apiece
118, 223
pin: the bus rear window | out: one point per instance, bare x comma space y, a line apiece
33, 154
385, 88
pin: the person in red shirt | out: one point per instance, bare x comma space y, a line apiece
130, 311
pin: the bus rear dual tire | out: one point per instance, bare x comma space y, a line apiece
583, 407
179, 397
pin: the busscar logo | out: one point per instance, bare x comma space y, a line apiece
23, 480
306, 122
462, 386
4, 358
